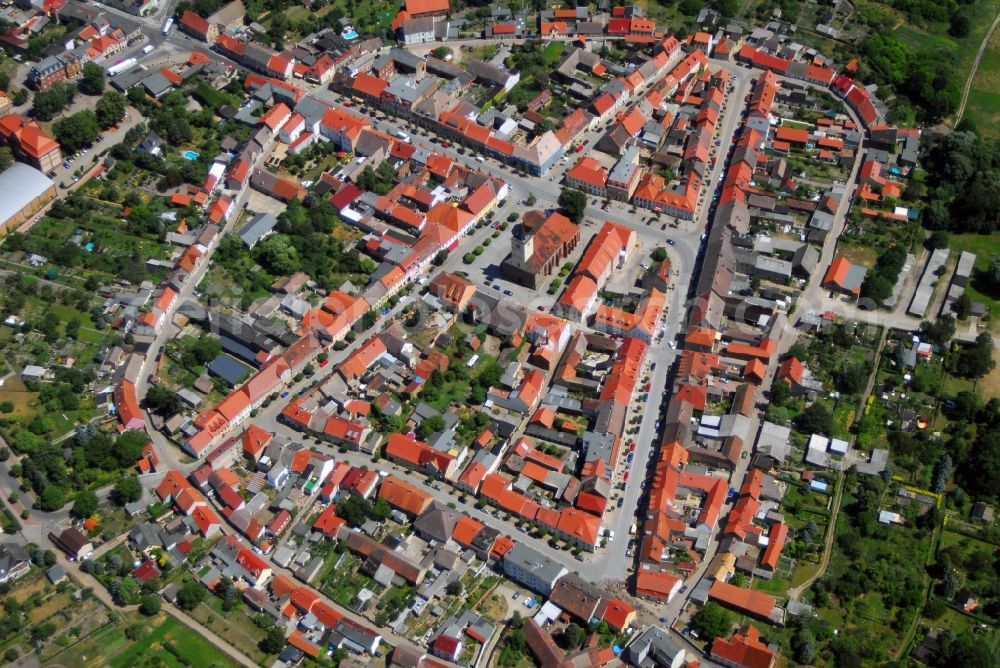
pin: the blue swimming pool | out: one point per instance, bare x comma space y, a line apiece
349, 34
189, 155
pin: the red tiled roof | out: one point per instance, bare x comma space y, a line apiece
743, 649
776, 541
792, 135
656, 584
418, 7
837, 272
746, 600
403, 496
791, 370
465, 530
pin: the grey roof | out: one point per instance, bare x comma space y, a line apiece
151, 142
437, 522
490, 73
624, 168
855, 277
405, 58
418, 25
806, 258
258, 226
966, 261
654, 647
774, 440
229, 369
523, 557
157, 84
20, 184
56, 573
405, 88
11, 555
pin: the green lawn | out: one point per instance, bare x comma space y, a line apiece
553, 53
983, 105
164, 638
935, 35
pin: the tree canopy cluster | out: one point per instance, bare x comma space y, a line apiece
302, 242
573, 203
880, 280
975, 452
77, 131
963, 183
48, 103
356, 510
54, 477
927, 78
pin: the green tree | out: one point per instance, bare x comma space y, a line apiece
939, 332
190, 595
960, 25
660, 254
804, 644
6, 159
380, 510
278, 255
162, 401
573, 203
273, 642
963, 306
431, 426
939, 239
815, 419
967, 650
178, 131
712, 621
110, 109
128, 489
48, 103
76, 131
53, 498
975, 361
573, 636
92, 82
84, 505
150, 605
128, 591
354, 510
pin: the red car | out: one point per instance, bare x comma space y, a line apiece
324, 363
625, 477
445, 144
